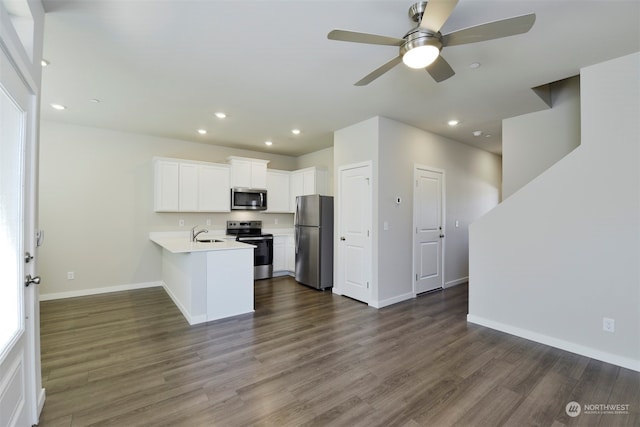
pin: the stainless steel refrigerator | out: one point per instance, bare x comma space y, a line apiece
314, 241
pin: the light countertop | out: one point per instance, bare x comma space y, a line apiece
182, 244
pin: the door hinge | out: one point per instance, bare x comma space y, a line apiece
416, 182
367, 285
367, 233
416, 277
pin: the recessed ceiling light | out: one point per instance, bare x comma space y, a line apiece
95, 100
202, 131
488, 135
453, 122
295, 131
474, 65
220, 115
58, 107
44, 62
268, 143
477, 132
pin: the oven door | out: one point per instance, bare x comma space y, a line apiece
262, 255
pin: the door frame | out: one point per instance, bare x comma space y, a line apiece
416, 168
10, 47
338, 250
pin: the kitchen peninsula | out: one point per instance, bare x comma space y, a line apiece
206, 280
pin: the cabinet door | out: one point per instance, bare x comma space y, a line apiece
241, 173
258, 175
291, 254
188, 187
296, 187
278, 191
279, 256
166, 185
309, 182
213, 188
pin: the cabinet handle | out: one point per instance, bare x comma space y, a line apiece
342, 238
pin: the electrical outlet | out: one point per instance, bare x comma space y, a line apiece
275, 221
181, 222
208, 222
71, 275
608, 325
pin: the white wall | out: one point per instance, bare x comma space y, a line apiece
533, 142
473, 181
96, 206
563, 252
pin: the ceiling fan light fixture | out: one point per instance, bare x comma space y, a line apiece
421, 56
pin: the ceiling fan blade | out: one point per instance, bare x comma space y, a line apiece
440, 69
379, 71
436, 14
352, 36
491, 30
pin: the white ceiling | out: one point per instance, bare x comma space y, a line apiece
163, 67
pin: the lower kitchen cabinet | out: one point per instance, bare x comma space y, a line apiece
283, 255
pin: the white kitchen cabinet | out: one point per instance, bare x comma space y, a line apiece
213, 188
248, 173
190, 186
279, 253
166, 185
290, 254
277, 191
306, 181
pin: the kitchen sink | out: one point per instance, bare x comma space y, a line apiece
209, 241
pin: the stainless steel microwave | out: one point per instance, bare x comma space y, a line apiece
248, 199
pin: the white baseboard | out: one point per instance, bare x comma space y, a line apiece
193, 320
593, 353
456, 282
41, 398
392, 300
96, 291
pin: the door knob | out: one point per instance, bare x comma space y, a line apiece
342, 238
441, 236
28, 257
31, 280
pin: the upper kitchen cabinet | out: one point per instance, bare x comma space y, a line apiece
189, 186
307, 181
278, 191
166, 185
248, 173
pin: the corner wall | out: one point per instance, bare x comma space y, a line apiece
531, 143
562, 253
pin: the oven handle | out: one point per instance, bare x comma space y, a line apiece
249, 239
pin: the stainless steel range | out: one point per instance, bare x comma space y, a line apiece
251, 232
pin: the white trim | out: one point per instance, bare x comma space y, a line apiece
41, 398
192, 320
582, 350
393, 300
442, 172
456, 282
96, 291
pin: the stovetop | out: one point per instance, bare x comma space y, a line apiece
245, 229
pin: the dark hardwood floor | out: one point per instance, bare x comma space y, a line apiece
311, 358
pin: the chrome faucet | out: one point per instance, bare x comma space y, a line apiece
195, 234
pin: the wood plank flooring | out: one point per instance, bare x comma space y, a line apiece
308, 358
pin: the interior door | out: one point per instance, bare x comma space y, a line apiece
428, 226
18, 362
354, 230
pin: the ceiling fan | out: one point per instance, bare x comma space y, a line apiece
421, 46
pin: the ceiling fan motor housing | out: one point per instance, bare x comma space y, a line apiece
420, 37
